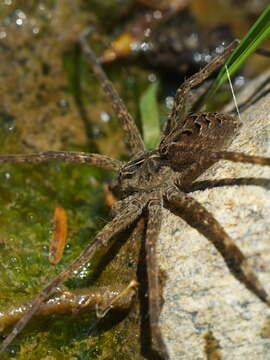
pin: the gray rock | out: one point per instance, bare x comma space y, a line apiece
203, 299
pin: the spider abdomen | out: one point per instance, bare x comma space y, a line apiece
200, 133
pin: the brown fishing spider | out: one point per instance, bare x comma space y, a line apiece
153, 179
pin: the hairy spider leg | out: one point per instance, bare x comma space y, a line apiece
130, 128
154, 293
240, 157
178, 114
119, 223
199, 218
97, 160
204, 161
103, 307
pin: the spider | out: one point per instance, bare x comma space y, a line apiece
150, 180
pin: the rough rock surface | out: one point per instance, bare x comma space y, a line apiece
208, 313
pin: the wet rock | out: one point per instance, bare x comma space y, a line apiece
203, 300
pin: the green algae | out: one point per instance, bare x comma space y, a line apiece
43, 88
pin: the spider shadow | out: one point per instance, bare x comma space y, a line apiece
75, 79
208, 184
136, 234
133, 242
145, 333
117, 316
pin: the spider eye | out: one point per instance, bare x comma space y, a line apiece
163, 150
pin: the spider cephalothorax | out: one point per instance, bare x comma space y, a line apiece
145, 172
197, 134
154, 179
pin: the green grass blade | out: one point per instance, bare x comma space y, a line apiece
251, 41
150, 116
